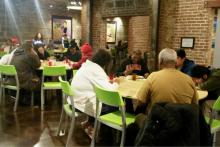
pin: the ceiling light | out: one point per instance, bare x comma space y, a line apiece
51, 6
73, 3
74, 7
80, 3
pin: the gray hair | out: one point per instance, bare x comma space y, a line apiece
167, 56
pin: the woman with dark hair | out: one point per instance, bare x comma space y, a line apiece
92, 73
38, 40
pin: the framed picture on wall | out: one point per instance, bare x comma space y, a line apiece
61, 25
111, 32
187, 42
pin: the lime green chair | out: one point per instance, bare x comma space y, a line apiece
214, 123
67, 108
2, 53
74, 72
9, 70
51, 71
118, 119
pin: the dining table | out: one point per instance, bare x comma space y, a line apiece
68, 65
137, 90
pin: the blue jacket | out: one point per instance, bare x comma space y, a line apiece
187, 66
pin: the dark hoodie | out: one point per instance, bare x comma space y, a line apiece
187, 66
26, 64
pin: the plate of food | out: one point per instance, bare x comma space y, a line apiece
132, 77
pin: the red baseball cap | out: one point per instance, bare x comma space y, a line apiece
86, 48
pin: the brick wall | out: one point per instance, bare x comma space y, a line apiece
29, 20
189, 19
98, 26
138, 33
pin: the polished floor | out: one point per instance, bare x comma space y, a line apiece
31, 127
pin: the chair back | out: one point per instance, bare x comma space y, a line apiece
54, 71
108, 97
74, 72
216, 105
2, 53
66, 87
8, 70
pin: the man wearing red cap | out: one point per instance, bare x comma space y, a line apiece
86, 50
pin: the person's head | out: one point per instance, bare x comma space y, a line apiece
136, 56
27, 46
102, 58
200, 73
72, 49
181, 56
86, 50
9, 42
38, 36
167, 58
39, 48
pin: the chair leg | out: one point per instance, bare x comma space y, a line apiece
16, 100
122, 137
1, 95
70, 131
42, 99
95, 133
214, 140
32, 99
61, 119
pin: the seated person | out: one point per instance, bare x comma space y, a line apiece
73, 43
6, 59
73, 54
38, 40
86, 51
183, 64
134, 64
26, 61
207, 80
169, 84
92, 72
41, 52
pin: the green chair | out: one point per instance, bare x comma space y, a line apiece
10, 70
214, 123
118, 119
2, 53
51, 71
74, 72
67, 108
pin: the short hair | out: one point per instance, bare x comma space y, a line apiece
167, 56
101, 57
181, 53
27, 45
198, 71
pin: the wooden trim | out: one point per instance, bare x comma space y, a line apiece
212, 4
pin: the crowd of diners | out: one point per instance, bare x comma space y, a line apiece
174, 82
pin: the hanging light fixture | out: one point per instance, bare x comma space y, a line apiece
74, 4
